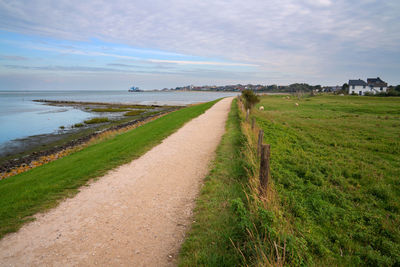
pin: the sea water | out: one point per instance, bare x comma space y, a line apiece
20, 117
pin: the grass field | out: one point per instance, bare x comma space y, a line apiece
335, 168
41, 188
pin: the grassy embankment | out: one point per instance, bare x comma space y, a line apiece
209, 241
334, 195
41, 188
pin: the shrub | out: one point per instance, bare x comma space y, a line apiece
250, 98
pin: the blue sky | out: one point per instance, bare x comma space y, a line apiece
112, 45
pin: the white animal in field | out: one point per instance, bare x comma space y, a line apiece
261, 108
297, 104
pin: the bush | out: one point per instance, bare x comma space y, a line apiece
250, 98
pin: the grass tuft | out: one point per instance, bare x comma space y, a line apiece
109, 109
97, 120
134, 112
78, 125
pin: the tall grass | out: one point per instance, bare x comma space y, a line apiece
41, 188
216, 231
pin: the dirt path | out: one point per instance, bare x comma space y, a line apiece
136, 215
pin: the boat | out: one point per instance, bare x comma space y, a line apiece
134, 89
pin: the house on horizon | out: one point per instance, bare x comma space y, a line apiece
372, 86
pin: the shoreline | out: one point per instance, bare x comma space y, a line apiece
25, 153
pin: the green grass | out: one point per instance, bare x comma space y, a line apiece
78, 125
335, 164
209, 241
97, 120
138, 106
134, 112
109, 109
36, 190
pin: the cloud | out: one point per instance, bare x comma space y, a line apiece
13, 58
305, 38
187, 62
63, 68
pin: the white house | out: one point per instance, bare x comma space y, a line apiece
373, 86
377, 85
358, 87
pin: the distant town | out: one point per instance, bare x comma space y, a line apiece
257, 88
373, 86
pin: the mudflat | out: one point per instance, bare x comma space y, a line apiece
136, 215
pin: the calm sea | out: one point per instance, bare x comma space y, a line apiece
21, 117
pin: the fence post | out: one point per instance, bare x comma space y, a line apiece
264, 167
260, 140
252, 123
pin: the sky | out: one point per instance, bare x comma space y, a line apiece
155, 44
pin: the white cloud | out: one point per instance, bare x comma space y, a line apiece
300, 37
187, 62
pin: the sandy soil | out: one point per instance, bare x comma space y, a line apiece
136, 215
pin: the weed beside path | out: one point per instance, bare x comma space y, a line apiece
209, 242
41, 188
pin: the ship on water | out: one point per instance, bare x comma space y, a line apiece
134, 89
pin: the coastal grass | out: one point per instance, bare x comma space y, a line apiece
334, 196
109, 109
134, 113
43, 187
215, 228
78, 125
139, 106
97, 120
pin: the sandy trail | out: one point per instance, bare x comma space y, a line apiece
136, 215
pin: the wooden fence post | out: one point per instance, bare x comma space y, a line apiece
264, 167
260, 140
252, 123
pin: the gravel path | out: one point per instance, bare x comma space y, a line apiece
136, 215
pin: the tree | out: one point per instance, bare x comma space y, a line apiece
250, 99
397, 88
345, 87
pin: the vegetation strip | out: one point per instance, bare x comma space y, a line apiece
41, 188
215, 227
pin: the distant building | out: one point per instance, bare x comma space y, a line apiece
377, 85
358, 87
372, 86
330, 89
